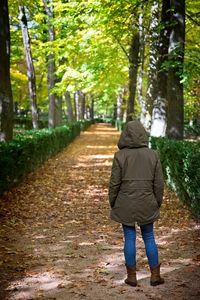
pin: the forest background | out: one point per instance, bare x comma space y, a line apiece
122, 59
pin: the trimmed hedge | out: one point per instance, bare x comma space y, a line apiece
29, 150
26, 122
181, 166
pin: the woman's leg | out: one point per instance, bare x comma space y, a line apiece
129, 245
150, 244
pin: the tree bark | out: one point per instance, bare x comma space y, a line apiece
133, 67
92, 108
121, 103
80, 105
159, 114
175, 124
153, 57
48, 4
30, 66
6, 100
143, 114
77, 105
68, 101
119, 106
58, 110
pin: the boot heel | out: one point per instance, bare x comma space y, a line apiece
131, 276
156, 279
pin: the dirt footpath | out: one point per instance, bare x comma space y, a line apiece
57, 241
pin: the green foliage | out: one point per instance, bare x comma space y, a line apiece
26, 122
85, 124
29, 150
181, 166
119, 125
91, 48
192, 130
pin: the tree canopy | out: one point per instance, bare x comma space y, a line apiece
91, 51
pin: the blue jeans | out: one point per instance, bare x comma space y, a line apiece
130, 245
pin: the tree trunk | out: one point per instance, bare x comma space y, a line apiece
48, 4
175, 124
143, 114
114, 116
58, 110
133, 67
80, 105
121, 103
153, 57
159, 114
68, 101
77, 105
30, 66
92, 108
6, 100
87, 112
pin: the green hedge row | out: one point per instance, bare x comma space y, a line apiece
26, 122
181, 166
29, 150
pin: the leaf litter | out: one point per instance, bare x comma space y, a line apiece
57, 240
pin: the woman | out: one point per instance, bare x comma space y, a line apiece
135, 195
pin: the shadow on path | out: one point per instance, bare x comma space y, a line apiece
57, 241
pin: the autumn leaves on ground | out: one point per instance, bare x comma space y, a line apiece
57, 241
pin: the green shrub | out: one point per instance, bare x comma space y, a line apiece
120, 125
181, 166
85, 124
26, 122
192, 130
29, 150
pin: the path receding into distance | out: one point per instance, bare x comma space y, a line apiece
58, 242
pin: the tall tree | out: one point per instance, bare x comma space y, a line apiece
175, 74
140, 83
6, 100
48, 4
80, 105
70, 114
159, 114
58, 110
30, 65
133, 68
91, 107
121, 102
153, 56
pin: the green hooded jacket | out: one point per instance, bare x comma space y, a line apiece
136, 182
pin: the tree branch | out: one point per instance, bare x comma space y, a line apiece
192, 19
122, 47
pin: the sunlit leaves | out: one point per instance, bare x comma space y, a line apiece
92, 40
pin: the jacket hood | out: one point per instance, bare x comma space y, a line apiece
133, 136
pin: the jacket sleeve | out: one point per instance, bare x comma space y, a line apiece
115, 181
158, 185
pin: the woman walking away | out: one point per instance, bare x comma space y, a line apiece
135, 196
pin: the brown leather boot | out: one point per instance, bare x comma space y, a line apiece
155, 276
131, 276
